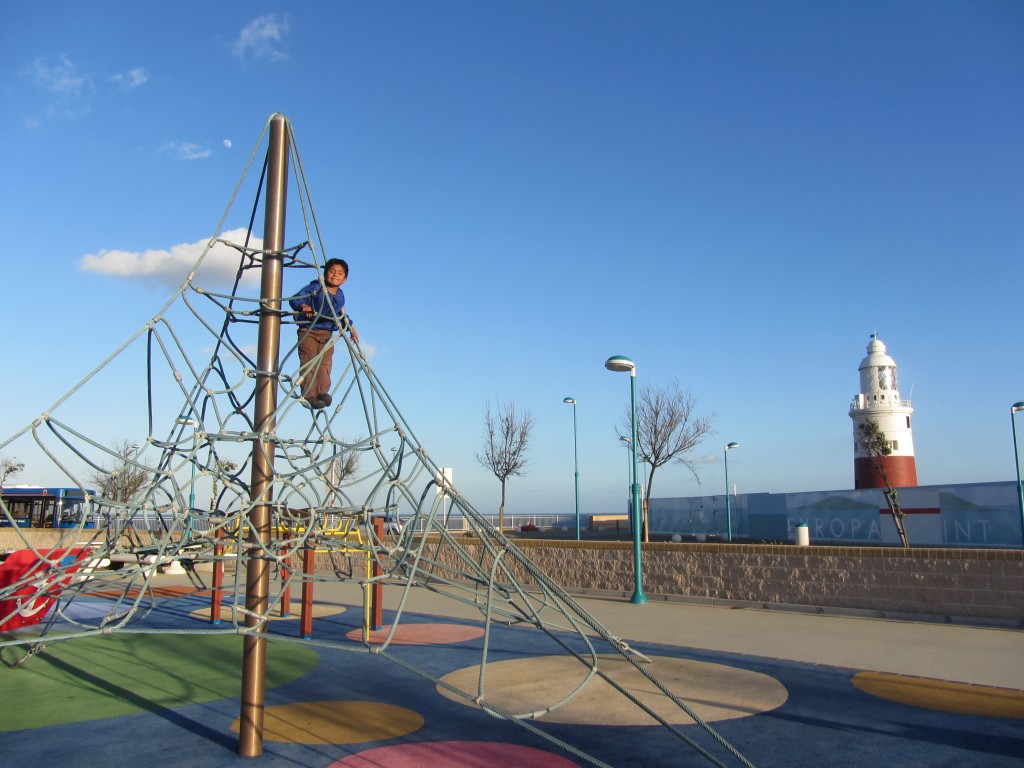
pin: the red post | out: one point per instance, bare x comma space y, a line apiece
308, 565
286, 595
377, 592
218, 577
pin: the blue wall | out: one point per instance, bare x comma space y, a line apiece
966, 515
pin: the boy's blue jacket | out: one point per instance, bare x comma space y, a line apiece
325, 306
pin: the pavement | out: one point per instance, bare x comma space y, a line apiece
775, 688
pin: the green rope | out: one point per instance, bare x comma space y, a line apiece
199, 372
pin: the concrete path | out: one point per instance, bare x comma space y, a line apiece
964, 654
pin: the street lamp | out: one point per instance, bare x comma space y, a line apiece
1016, 461
728, 501
576, 458
621, 364
192, 486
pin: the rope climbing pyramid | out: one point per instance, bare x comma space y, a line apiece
214, 384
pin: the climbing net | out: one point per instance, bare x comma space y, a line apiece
334, 471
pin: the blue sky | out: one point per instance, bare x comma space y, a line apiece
733, 194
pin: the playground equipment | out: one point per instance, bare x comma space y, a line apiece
217, 395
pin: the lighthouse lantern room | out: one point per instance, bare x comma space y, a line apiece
879, 400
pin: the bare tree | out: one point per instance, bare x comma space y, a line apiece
667, 429
506, 439
344, 466
875, 444
9, 468
124, 479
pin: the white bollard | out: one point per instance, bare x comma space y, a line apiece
803, 535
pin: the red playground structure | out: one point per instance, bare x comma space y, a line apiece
43, 574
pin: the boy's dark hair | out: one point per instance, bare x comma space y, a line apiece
340, 262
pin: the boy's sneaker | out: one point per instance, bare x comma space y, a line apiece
325, 400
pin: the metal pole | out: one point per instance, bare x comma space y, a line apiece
257, 581
192, 488
728, 496
728, 501
638, 581
576, 460
1016, 462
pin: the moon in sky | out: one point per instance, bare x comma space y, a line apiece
227, 143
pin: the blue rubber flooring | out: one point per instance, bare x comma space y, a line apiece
825, 721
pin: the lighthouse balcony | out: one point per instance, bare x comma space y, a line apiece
879, 402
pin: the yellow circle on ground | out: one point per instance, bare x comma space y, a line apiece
959, 698
713, 691
336, 722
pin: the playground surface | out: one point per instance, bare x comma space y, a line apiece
784, 689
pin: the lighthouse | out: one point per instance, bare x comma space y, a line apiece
879, 400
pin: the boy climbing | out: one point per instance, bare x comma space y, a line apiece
319, 308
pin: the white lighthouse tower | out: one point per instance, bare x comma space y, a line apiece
879, 400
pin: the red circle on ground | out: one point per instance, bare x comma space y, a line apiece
420, 634
454, 754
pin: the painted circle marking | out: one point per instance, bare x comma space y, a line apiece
713, 691
959, 698
453, 754
319, 611
420, 634
336, 722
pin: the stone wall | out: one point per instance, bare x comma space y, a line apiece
12, 538
45, 538
963, 585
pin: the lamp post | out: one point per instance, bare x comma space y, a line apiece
621, 364
728, 498
192, 486
1016, 462
576, 459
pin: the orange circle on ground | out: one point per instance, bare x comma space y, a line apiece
419, 634
453, 754
336, 722
712, 691
958, 698
169, 591
319, 610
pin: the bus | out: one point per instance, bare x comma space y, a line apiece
31, 506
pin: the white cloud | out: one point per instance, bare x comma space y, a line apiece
171, 266
184, 150
65, 82
261, 38
62, 78
71, 87
708, 458
131, 79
